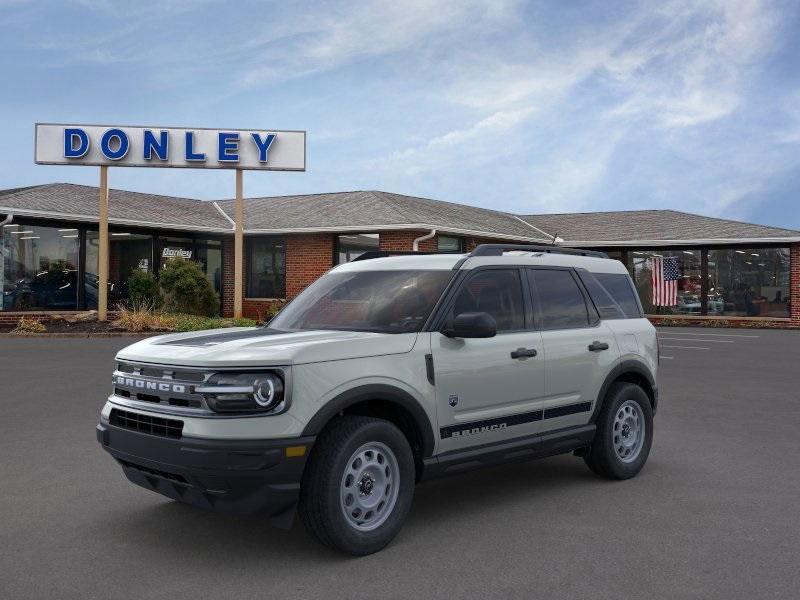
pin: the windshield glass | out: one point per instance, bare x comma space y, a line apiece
379, 301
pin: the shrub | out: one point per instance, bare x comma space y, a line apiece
26, 325
186, 290
143, 289
141, 317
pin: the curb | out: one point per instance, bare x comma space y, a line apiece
82, 335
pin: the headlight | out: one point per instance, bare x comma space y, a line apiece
243, 392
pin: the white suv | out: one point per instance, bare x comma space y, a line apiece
387, 371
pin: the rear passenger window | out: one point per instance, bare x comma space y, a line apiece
618, 285
497, 292
560, 300
606, 305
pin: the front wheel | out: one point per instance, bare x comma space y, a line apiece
357, 488
624, 433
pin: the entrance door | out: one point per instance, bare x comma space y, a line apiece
484, 386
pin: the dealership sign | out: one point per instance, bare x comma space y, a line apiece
192, 148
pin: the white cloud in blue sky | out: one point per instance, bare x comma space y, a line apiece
528, 107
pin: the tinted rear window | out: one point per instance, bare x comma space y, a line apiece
561, 302
618, 285
606, 305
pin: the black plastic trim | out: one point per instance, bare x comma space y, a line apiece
522, 448
375, 392
429, 371
627, 366
498, 249
239, 477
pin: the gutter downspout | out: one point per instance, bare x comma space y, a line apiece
7, 220
427, 236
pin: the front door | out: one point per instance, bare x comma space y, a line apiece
486, 386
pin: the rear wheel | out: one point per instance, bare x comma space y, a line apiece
624, 433
358, 486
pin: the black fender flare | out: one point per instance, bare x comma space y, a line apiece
626, 366
377, 391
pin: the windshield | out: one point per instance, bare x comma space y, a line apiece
379, 301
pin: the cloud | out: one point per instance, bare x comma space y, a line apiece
464, 146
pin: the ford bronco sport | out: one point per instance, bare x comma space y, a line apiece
387, 371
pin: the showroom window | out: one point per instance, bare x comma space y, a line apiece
349, 247
128, 252
748, 282
266, 267
449, 244
668, 281
39, 267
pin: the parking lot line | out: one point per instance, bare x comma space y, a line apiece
688, 347
667, 357
671, 339
736, 335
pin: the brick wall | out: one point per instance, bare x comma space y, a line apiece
308, 256
404, 240
794, 284
228, 266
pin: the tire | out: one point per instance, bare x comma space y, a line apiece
614, 453
365, 461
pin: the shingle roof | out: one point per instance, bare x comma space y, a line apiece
72, 201
374, 210
650, 225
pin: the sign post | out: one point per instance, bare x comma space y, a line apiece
103, 253
238, 243
175, 147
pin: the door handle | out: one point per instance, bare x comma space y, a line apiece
596, 346
523, 353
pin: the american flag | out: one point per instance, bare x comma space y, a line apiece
665, 280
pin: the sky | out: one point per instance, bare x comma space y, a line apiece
527, 107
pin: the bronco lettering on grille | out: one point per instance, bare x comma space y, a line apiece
144, 384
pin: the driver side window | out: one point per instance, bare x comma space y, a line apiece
497, 292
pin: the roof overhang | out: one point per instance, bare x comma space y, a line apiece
113, 221
683, 242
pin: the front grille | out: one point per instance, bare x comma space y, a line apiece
168, 428
167, 386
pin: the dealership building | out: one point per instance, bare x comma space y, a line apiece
727, 270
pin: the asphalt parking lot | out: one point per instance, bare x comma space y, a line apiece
714, 514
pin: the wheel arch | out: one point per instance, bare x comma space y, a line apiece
629, 371
383, 401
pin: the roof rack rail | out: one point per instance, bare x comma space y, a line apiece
498, 249
384, 253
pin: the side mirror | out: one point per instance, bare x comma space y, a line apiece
472, 325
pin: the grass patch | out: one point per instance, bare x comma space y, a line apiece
183, 322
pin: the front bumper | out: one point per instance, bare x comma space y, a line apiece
247, 477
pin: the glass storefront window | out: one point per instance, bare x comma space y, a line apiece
39, 268
209, 255
747, 282
353, 246
174, 247
128, 251
266, 267
687, 300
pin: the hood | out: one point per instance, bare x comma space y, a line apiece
260, 346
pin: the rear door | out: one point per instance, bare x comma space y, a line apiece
487, 390
579, 348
